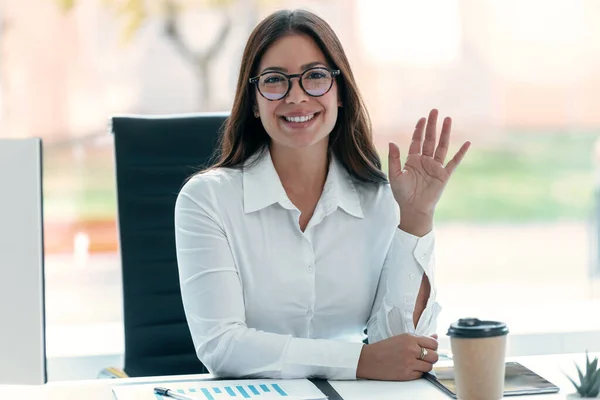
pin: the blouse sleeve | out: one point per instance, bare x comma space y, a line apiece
408, 261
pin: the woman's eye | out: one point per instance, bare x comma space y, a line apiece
273, 79
316, 75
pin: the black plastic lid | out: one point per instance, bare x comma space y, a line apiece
475, 328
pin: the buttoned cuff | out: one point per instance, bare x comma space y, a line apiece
415, 255
421, 249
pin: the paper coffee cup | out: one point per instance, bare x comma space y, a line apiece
479, 351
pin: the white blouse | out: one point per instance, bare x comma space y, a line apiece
264, 299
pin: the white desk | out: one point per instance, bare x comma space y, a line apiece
550, 367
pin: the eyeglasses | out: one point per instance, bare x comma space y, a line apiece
315, 82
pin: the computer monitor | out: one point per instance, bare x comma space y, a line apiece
22, 317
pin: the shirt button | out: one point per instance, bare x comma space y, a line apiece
310, 269
412, 276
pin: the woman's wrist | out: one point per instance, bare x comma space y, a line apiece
361, 368
416, 224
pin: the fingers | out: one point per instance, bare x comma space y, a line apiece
442, 149
452, 164
429, 143
427, 342
423, 366
432, 356
417, 138
416, 375
435, 336
394, 163
428, 146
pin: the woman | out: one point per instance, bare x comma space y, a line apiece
295, 241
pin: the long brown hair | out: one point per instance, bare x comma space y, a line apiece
351, 139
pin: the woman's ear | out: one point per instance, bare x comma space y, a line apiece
255, 111
339, 103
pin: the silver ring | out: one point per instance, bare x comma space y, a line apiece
423, 353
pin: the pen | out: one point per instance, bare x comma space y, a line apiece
169, 393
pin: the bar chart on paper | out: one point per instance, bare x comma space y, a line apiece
225, 390
238, 391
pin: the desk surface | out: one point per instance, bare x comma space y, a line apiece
550, 367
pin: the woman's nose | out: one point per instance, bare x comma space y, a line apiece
296, 94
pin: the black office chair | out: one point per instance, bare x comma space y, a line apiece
154, 156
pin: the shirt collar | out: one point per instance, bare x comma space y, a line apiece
262, 187
340, 190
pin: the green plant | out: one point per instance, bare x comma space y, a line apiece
589, 383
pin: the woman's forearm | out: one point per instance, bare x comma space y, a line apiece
422, 298
418, 225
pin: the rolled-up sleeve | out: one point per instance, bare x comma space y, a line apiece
408, 260
214, 306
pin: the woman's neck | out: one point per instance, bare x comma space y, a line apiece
301, 170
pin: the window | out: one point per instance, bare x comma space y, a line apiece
420, 34
517, 229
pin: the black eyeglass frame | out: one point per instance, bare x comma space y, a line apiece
333, 72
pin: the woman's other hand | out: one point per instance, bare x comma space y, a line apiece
397, 358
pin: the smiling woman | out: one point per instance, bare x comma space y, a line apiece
309, 110
303, 49
297, 201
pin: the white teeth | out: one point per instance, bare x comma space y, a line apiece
304, 118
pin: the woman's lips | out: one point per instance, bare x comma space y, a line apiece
300, 121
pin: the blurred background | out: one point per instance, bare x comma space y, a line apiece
516, 229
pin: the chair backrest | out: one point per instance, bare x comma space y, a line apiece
22, 313
154, 156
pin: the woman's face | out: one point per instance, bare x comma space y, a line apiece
298, 120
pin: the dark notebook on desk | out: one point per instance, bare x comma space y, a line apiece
519, 380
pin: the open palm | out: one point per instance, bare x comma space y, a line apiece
419, 185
